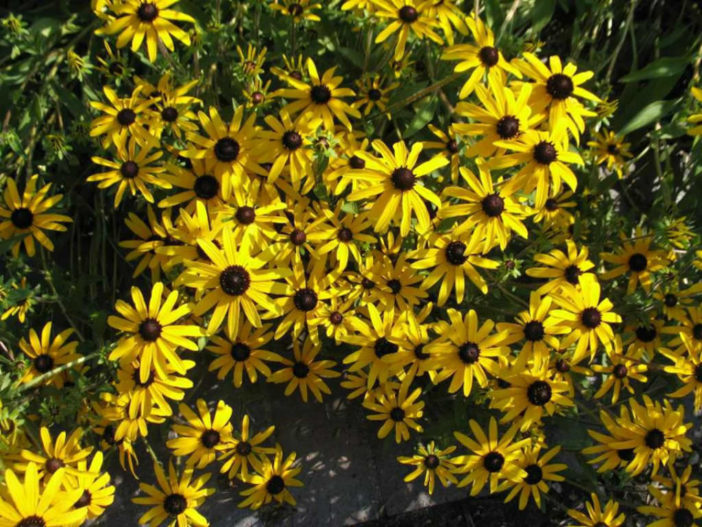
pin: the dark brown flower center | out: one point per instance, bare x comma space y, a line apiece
292, 140
697, 331
637, 262
698, 373
243, 448
209, 438
489, 56
493, 461
397, 414
147, 12
175, 504
257, 97
206, 187
108, 435
275, 485
240, 351
169, 114
534, 474
295, 9
320, 94
366, 283
129, 169
374, 94
452, 146
84, 500
403, 179
227, 149
136, 377
245, 215
431, 461
683, 518
646, 333
534, 331
469, 352
571, 273
455, 253
234, 280
551, 205
32, 521
43, 363
53, 464
150, 329
126, 116
559, 86
22, 218
539, 393
591, 317
298, 237
305, 299
612, 149
336, 318
345, 234
508, 127
384, 347
562, 366
356, 163
626, 454
408, 14
670, 300
300, 370
654, 439
545, 153
395, 286
620, 371
420, 353
493, 205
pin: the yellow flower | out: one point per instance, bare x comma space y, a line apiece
177, 500
272, 481
153, 337
448, 147
433, 463
562, 269
493, 458
150, 21
123, 119
304, 373
204, 436
609, 457
172, 111
252, 62
133, 170
47, 353
23, 300
688, 368
610, 150
622, 368
297, 9
538, 472
244, 450
29, 503
198, 184
637, 258
392, 179
449, 17
398, 409
62, 455
374, 91
28, 216
483, 58
669, 513
596, 515
406, 16
695, 118
150, 239
98, 494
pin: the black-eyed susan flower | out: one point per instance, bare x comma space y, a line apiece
245, 451
243, 352
557, 88
392, 181
482, 57
198, 184
413, 356
253, 212
531, 393
376, 342
252, 61
680, 489
304, 373
607, 456
27, 503
434, 463
272, 481
257, 93
374, 91
656, 432
122, 118
232, 147
177, 499
98, 494
588, 315
147, 21
299, 10
204, 436
295, 242
321, 99
47, 353
596, 515
621, 370
546, 157
134, 168
150, 239
687, 365
173, 109
451, 258
492, 459
645, 337
62, 453
398, 284
610, 150
535, 328
690, 326
538, 473
467, 351
501, 116
487, 213
406, 17
235, 278
637, 259
18, 300
28, 216
398, 409
152, 333
668, 513
562, 268
450, 18
554, 213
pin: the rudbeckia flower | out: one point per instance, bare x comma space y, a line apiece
399, 410
299, 10
98, 494
687, 365
61, 454
47, 353
610, 150
434, 463
562, 268
406, 17
272, 481
596, 515
538, 473
150, 21
123, 118
245, 450
622, 368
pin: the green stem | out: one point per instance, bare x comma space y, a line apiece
50, 281
46, 376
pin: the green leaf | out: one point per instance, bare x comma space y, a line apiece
663, 67
650, 114
542, 14
423, 116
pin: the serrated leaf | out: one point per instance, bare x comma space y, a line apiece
663, 67
650, 114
